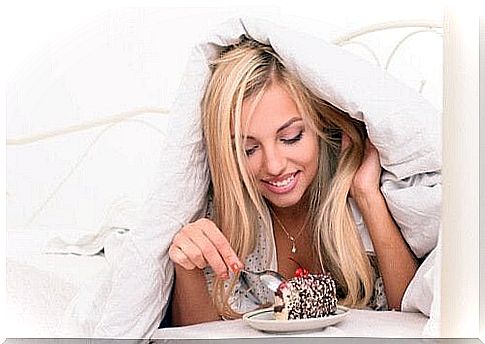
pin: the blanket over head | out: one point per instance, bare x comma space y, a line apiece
403, 126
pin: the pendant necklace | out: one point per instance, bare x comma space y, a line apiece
290, 237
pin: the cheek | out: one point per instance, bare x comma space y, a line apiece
254, 166
311, 156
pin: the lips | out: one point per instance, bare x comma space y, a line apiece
282, 184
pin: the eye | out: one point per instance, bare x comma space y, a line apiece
250, 151
293, 139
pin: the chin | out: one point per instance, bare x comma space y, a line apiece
281, 202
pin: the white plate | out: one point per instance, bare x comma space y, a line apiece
264, 320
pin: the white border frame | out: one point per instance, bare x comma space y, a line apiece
469, 256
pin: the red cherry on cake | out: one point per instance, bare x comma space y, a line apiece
301, 272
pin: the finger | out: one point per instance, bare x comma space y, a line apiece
178, 257
223, 247
192, 251
210, 253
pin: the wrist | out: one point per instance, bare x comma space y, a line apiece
365, 199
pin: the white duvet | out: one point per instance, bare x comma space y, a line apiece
403, 126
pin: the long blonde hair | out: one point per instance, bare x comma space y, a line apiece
247, 69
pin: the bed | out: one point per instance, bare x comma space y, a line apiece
67, 174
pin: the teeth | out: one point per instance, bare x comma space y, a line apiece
283, 182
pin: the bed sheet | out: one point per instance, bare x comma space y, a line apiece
359, 323
39, 286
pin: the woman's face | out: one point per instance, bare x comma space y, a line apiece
282, 151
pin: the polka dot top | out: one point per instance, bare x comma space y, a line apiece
249, 293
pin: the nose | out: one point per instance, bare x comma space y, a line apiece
274, 161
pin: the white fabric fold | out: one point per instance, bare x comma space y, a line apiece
132, 303
143, 276
419, 295
85, 244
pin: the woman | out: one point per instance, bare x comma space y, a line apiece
283, 163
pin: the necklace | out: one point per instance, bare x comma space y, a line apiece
290, 237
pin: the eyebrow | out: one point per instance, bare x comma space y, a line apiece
284, 126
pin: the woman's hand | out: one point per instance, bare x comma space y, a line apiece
366, 180
397, 264
201, 243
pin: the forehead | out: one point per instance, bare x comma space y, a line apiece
272, 108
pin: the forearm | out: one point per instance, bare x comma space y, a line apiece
397, 264
191, 302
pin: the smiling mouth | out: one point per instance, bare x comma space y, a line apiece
283, 183
282, 186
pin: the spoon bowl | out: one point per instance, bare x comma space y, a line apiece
269, 278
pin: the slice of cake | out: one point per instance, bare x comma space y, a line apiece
306, 296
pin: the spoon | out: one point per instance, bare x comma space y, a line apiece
270, 278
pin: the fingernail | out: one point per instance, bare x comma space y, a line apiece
224, 276
235, 267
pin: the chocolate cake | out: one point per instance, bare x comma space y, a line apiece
306, 296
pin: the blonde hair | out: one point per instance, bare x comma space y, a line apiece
245, 70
